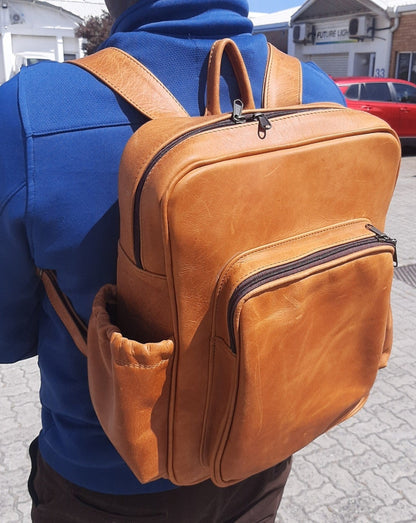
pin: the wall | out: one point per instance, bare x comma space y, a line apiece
278, 39
404, 39
340, 55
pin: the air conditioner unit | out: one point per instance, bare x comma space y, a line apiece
17, 18
361, 27
303, 33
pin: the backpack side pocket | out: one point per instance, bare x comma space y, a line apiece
130, 386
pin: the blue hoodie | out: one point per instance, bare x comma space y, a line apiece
63, 133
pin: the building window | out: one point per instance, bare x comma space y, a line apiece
69, 56
34, 61
406, 66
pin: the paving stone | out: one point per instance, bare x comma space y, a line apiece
323, 457
313, 499
408, 489
291, 512
307, 474
400, 512
358, 464
350, 441
349, 509
380, 487
397, 470
344, 479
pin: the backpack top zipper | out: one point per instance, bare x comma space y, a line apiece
237, 117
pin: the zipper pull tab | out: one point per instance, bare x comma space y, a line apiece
238, 107
264, 124
383, 237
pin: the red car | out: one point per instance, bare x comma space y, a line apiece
391, 99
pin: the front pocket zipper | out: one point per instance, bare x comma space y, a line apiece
307, 262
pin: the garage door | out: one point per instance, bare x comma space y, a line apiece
332, 64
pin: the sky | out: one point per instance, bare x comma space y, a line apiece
271, 6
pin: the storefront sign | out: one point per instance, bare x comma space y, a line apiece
332, 33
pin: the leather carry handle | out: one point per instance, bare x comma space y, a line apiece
283, 80
214, 71
64, 309
132, 81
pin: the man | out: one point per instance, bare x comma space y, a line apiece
63, 133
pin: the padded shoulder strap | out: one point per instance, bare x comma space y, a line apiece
283, 80
132, 81
144, 91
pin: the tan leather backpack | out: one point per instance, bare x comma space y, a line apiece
252, 306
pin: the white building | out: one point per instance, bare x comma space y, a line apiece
349, 37
33, 30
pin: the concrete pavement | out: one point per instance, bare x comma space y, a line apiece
362, 471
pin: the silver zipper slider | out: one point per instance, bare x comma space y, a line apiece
238, 107
385, 238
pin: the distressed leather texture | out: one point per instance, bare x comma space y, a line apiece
252, 307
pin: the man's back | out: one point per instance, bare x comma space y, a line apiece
59, 162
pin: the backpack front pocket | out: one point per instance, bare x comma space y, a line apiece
298, 332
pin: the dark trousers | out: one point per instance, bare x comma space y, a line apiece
254, 500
